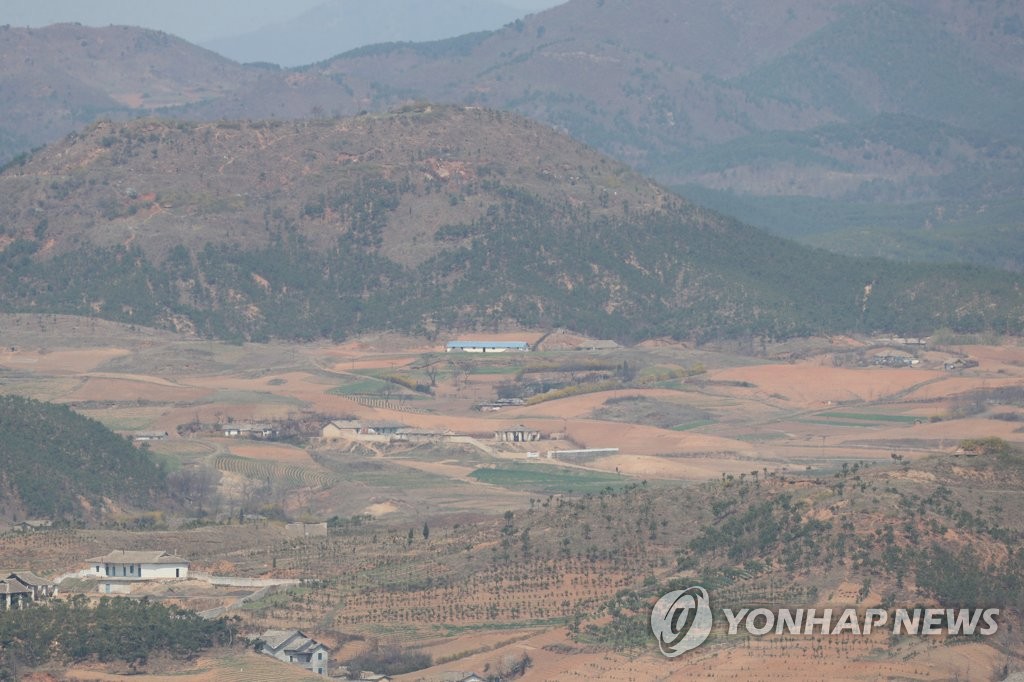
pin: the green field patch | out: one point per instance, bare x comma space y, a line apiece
235, 397
384, 475
545, 478
364, 386
906, 419
754, 437
692, 425
833, 422
495, 369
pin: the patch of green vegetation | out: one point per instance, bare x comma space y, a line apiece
833, 422
907, 419
692, 425
254, 398
494, 369
363, 386
755, 437
547, 478
640, 409
277, 599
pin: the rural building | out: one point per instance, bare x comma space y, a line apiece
382, 428
143, 436
120, 567
20, 588
894, 358
341, 428
517, 434
486, 346
31, 525
40, 588
413, 435
14, 595
959, 363
254, 431
291, 646
305, 530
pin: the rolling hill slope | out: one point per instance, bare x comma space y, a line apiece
422, 219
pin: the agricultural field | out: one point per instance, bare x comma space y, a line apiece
463, 549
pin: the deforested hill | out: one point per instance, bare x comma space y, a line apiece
56, 464
425, 218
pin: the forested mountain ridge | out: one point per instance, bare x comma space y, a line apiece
423, 219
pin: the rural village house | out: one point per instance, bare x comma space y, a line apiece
350, 429
119, 568
291, 646
517, 434
340, 428
253, 431
20, 588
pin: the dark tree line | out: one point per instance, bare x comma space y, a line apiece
115, 629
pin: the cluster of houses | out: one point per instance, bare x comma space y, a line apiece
123, 568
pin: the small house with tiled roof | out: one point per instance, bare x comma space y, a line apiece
291, 646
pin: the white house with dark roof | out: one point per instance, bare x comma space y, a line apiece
138, 565
291, 646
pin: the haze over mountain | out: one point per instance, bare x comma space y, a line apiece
895, 116
272, 30
337, 26
882, 127
193, 20
426, 219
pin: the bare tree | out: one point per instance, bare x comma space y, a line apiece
195, 486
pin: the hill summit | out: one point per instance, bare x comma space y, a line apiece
425, 218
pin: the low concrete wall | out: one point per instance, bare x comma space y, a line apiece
232, 581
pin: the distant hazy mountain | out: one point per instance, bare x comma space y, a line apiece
338, 26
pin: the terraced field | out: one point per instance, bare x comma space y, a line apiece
270, 471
